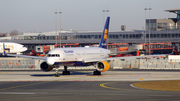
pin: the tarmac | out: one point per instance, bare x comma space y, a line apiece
81, 85
87, 75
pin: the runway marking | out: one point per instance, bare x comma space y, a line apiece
16, 93
165, 77
35, 84
67, 79
103, 85
4, 72
137, 87
176, 75
93, 76
47, 93
24, 85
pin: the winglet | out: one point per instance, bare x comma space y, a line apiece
4, 52
103, 42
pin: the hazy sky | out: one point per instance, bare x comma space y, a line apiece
39, 16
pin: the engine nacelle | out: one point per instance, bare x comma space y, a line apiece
45, 67
102, 66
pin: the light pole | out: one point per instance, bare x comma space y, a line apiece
103, 19
103, 15
145, 24
60, 26
56, 25
104, 12
148, 27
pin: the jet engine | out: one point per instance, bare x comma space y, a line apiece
45, 67
102, 66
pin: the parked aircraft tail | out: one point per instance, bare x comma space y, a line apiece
4, 51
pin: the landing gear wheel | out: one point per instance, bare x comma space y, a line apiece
57, 75
96, 73
65, 72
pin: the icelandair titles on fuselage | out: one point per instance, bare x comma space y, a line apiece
68, 51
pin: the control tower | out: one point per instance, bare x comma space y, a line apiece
165, 24
176, 11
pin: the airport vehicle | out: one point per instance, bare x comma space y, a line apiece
79, 56
11, 47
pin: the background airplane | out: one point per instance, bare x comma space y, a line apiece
11, 47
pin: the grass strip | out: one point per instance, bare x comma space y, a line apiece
170, 85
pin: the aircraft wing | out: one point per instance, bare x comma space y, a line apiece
26, 56
114, 58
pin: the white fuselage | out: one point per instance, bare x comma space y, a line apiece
67, 56
11, 47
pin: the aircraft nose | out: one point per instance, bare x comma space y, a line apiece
25, 48
49, 61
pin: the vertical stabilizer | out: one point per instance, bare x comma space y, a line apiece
103, 43
4, 51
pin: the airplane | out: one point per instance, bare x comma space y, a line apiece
11, 47
79, 56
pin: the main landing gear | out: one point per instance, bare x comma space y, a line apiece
96, 72
65, 72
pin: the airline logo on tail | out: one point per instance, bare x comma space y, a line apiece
105, 34
103, 42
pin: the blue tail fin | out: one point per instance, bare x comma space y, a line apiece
4, 53
103, 42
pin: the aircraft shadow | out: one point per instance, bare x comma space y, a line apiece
72, 73
43, 75
81, 73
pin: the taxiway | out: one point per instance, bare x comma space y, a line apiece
82, 85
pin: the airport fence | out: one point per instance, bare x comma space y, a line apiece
7, 63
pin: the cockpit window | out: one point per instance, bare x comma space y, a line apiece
57, 55
53, 55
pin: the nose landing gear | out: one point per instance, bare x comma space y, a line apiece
65, 72
57, 73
